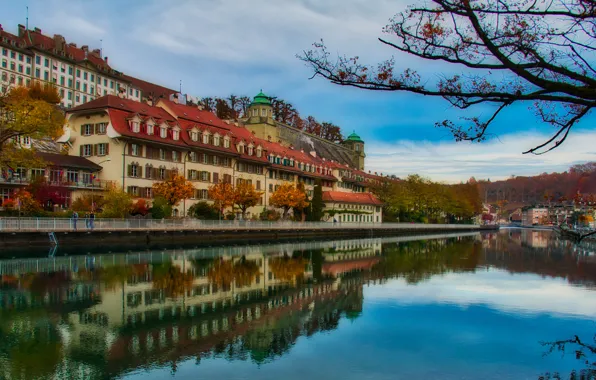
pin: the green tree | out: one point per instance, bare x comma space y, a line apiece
118, 203
203, 210
160, 208
317, 205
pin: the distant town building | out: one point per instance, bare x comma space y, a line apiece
532, 216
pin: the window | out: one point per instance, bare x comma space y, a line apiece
62, 81
86, 150
92, 78
162, 154
4, 63
258, 187
12, 66
192, 156
69, 95
84, 87
4, 52
148, 172
87, 178
194, 136
100, 128
205, 176
163, 132
135, 126
205, 138
175, 156
63, 68
175, 134
37, 60
216, 141
37, 73
78, 85
133, 190
263, 112
105, 82
255, 112
46, 63
135, 150
20, 68
102, 149
87, 129
241, 148
84, 75
28, 70
46, 75
192, 174
215, 160
250, 150
226, 142
162, 173
72, 175
78, 73
149, 129
70, 70
259, 152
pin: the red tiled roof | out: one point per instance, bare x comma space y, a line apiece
194, 114
148, 88
358, 198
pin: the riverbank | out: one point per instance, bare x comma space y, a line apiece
214, 235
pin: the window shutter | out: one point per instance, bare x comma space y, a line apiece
91, 129
189, 174
208, 177
141, 151
148, 152
215, 177
129, 171
81, 150
96, 128
130, 149
95, 149
107, 148
129, 189
140, 171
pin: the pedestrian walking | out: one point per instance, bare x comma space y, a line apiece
87, 220
75, 218
92, 220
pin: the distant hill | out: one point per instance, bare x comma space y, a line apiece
524, 191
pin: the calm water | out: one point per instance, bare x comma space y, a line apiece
446, 307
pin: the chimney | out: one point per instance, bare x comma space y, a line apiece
37, 30
72, 44
59, 42
105, 59
150, 101
22, 31
175, 98
1, 27
313, 153
85, 48
269, 138
96, 52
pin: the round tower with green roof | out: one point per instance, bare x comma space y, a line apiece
260, 117
354, 142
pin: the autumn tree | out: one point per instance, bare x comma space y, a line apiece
317, 205
208, 104
174, 189
537, 52
283, 111
223, 195
117, 203
288, 197
27, 113
245, 196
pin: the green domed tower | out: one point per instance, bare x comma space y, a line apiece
260, 117
355, 143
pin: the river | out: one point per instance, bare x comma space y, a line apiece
455, 306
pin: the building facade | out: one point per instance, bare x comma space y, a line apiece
140, 143
80, 74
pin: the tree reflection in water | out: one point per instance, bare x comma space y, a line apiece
252, 306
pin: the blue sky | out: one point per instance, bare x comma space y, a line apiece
220, 47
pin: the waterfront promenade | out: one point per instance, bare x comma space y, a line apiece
66, 225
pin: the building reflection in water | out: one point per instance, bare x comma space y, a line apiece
105, 315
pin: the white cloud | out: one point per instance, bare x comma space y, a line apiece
495, 159
498, 289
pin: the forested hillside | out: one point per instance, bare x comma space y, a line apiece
541, 188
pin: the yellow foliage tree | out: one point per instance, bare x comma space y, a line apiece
222, 195
26, 203
246, 196
174, 189
286, 197
27, 112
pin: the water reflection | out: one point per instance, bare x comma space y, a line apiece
119, 314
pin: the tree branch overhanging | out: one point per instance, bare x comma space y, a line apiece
540, 58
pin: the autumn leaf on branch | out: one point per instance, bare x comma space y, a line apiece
174, 189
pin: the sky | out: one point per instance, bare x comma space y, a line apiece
223, 47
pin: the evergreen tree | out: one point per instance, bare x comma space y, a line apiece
316, 212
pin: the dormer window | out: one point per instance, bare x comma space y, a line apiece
176, 134
291, 162
259, 152
216, 140
250, 150
194, 136
205, 138
135, 126
226, 142
263, 112
255, 112
163, 133
241, 148
149, 128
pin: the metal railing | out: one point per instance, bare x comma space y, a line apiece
84, 224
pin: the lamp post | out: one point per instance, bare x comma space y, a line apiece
108, 159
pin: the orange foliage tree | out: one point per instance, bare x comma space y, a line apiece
287, 268
287, 197
222, 195
246, 196
172, 280
174, 189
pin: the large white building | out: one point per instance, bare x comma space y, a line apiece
80, 74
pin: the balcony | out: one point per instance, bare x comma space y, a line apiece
21, 182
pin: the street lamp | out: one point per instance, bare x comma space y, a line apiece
108, 159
